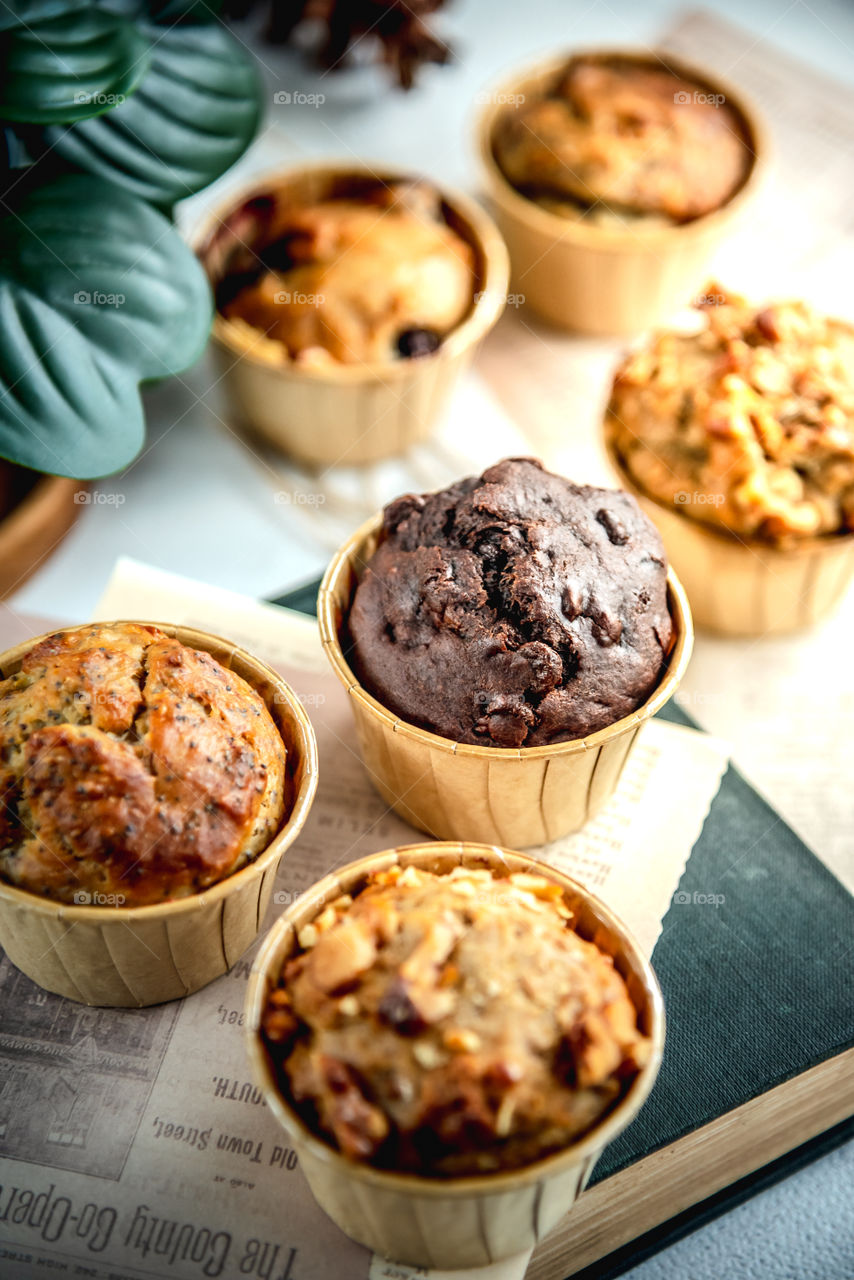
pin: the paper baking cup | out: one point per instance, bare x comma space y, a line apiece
607, 280
144, 955
452, 1223
517, 797
351, 414
742, 586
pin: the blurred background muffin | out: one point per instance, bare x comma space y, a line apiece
615, 139
513, 609
451, 1024
135, 769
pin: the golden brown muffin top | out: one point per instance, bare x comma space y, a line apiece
451, 1024
747, 423
133, 769
354, 280
618, 136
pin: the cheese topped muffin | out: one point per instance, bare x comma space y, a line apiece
133, 769
512, 609
747, 423
618, 137
375, 273
452, 1024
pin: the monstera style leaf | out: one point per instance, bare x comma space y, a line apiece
67, 61
98, 292
193, 115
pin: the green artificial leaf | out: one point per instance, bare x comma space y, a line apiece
63, 63
98, 292
194, 114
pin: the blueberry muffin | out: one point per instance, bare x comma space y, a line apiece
513, 609
373, 272
747, 423
453, 1024
133, 769
619, 138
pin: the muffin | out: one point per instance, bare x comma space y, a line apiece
348, 302
614, 176
450, 1034
377, 274
135, 769
447, 1025
747, 423
502, 642
151, 778
513, 609
614, 138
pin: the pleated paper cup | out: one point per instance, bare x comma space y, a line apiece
123, 958
607, 280
452, 1223
517, 797
743, 586
349, 414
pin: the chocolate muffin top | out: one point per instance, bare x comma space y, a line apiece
513, 609
747, 423
448, 1025
133, 768
377, 274
621, 136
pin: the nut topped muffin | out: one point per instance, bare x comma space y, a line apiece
451, 1024
513, 609
746, 424
619, 137
372, 272
133, 769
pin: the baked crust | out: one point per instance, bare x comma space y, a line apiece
133, 767
353, 277
513, 609
615, 135
746, 424
454, 1024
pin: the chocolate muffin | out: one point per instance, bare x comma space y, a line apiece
133, 769
747, 423
513, 609
618, 137
374, 272
452, 1024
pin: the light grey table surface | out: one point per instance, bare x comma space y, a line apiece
193, 487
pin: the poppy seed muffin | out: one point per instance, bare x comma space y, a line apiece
374, 273
619, 137
513, 609
451, 1024
133, 769
747, 423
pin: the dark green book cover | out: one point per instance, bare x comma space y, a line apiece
758, 985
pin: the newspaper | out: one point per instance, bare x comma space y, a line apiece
133, 1143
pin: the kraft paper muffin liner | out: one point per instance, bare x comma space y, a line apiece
350, 414
518, 797
453, 1223
607, 280
107, 955
742, 586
